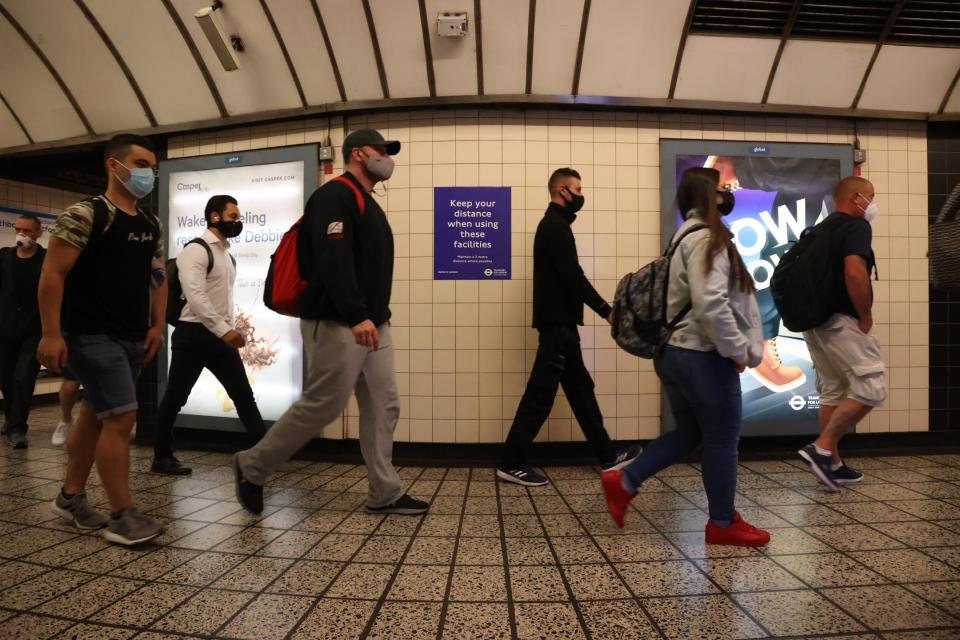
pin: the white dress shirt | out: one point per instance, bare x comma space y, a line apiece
209, 296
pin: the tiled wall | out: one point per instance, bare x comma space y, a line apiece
944, 164
19, 195
465, 348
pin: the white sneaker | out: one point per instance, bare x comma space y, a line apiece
60, 434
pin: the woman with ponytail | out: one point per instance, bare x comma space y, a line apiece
700, 365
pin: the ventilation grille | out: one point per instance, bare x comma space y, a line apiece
930, 22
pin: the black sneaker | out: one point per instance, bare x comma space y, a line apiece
623, 458
170, 467
249, 495
523, 475
847, 475
17, 439
404, 505
820, 465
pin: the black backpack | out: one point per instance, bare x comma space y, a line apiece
175, 298
806, 282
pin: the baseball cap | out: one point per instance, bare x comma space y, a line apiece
372, 137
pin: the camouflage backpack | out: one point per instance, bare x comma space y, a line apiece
640, 322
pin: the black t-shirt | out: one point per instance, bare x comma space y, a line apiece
26, 277
108, 289
851, 237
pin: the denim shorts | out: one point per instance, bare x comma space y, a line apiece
108, 369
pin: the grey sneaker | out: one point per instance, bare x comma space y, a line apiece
132, 527
78, 511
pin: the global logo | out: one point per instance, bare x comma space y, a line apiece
488, 272
797, 403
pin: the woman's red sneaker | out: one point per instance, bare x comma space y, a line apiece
617, 497
740, 533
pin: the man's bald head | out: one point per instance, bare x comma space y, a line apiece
852, 194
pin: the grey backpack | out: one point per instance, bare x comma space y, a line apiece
640, 323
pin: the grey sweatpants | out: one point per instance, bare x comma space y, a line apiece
336, 366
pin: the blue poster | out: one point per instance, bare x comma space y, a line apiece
471, 233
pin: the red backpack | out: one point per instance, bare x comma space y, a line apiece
285, 285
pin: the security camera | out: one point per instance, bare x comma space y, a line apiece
217, 37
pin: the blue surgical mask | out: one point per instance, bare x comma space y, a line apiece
141, 181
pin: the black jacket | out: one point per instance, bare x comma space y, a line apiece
15, 320
346, 256
560, 288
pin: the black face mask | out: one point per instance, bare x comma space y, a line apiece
575, 204
728, 201
229, 229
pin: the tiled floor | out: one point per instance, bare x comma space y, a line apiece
880, 560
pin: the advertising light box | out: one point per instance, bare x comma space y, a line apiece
271, 188
780, 190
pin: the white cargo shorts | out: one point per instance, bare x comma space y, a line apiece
847, 361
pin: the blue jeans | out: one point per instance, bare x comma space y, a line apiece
703, 389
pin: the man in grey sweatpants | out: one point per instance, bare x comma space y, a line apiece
346, 253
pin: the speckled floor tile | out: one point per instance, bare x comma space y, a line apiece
888, 607
253, 574
853, 537
86, 631
141, 608
793, 540
205, 612
529, 551
32, 627
537, 583
32, 539
594, 582
617, 620
32, 591
383, 549
665, 578
872, 511
203, 569
576, 550
748, 574
679, 520
90, 597
886, 492
712, 617
363, 581
447, 525
693, 544
548, 621
480, 551
336, 546
796, 613
476, 621
637, 548
945, 595
829, 570
484, 584
601, 524
154, 565
208, 537
947, 555
482, 506
920, 534
809, 514
906, 565
15, 573
360, 523
521, 527
926, 634
248, 541
268, 617
407, 620
67, 552
928, 509
420, 582
306, 578
334, 619
431, 551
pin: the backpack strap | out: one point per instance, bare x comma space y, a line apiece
671, 249
361, 203
206, 246
675, 242
101, 218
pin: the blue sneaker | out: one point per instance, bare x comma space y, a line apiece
623, 458
523, 475
820, 465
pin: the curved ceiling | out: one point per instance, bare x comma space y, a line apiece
77, 70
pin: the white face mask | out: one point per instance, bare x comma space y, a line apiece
24, 241
871, 212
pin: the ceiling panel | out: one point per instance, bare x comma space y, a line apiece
953, 103
350, 38
910, 78
454, 59
504, 46
32, 92
86, 65
158, 58
401, 46
301, 34
631, 47
725, 69
263, 82
555, 39
800, 78
11, 135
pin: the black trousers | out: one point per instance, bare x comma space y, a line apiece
18, 378
195, 348
559, 362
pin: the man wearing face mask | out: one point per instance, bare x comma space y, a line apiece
19, 326
98, 318
205, 336
844, 349
560, 289
346, 254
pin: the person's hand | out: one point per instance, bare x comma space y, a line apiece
234, 339
866, 324
152, 343
52, 353
366, 334
741, 366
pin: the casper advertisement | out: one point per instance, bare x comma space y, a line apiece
270, 197
780, 190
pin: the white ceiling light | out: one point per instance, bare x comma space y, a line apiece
223, 44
